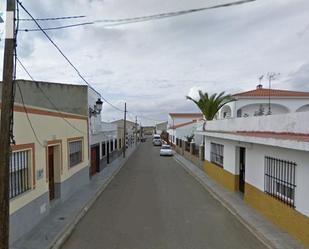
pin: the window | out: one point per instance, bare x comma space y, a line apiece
216, 154
115, 144
20, 173
279, 180
119, 143
103, 149
75, 152
112, 146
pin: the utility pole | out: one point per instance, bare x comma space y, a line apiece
135, 130
125, 130
6, 130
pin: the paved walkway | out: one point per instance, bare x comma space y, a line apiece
154, 204
62, 218
266, 231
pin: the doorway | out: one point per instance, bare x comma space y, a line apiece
107, 152
242, 169
95, 160
51, 173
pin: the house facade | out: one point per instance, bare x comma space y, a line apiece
161, 127
50, 159
266, 159
181, 125
132, 132
264, 101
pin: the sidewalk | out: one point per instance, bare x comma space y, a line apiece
57, 226
270, 234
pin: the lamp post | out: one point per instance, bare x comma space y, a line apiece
97, 108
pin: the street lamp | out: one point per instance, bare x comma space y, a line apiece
97, 108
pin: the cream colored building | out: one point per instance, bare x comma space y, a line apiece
50, 159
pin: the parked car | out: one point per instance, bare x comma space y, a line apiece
156, 140
166, 150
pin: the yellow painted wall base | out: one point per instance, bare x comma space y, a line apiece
286, 217
227, 179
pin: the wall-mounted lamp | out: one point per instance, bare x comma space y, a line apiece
97, 108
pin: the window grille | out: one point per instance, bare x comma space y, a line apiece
75, 152
216, 154
115, 144
112, 146
279, 180
20, 173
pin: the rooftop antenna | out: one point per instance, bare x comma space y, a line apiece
270, 76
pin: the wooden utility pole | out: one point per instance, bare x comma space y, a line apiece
135, 130
124, 130
7, 104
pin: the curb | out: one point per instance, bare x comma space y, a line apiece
227, 206
69, 228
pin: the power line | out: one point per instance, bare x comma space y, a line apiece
51, 18
65, 57
169, 14
59, 27
49, 100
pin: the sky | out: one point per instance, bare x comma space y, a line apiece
153, 66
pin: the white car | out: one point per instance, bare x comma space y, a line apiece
166, 150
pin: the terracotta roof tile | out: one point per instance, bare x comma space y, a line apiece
186, 115
183, 124
265, 92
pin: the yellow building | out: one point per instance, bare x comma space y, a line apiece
51, 157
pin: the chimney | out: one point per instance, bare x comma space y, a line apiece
259, 86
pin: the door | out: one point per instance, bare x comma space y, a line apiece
107, 152
93, 168
242, 169
51, 173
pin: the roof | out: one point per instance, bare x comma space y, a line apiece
277, 135
304, 137
265, 92
183, 124
186, 115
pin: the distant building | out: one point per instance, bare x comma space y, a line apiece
148, 130
50, 160
257, 102
181, 125
132, 132
160, 127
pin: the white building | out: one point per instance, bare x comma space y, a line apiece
267, 159
260, 101
104, 144
181, 125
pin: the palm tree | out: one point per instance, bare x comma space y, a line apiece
210, 105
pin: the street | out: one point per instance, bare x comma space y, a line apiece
154, 204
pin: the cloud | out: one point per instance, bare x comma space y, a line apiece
153, 65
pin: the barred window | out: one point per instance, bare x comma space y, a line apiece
216, 154
75, 152
20, 172
115, 144
279, 180
119, 143
103, 149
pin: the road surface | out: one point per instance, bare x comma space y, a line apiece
154, 204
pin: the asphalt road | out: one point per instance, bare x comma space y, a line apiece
154, 204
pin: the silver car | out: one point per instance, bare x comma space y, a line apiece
157, 142
166, 150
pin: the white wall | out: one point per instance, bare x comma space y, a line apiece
291, 122
255, 170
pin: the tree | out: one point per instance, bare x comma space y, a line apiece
189, 138
210, 105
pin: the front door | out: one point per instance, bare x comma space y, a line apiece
93, 169
51, 173
107, 152
242, 169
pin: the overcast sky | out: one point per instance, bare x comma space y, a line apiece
154, 65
